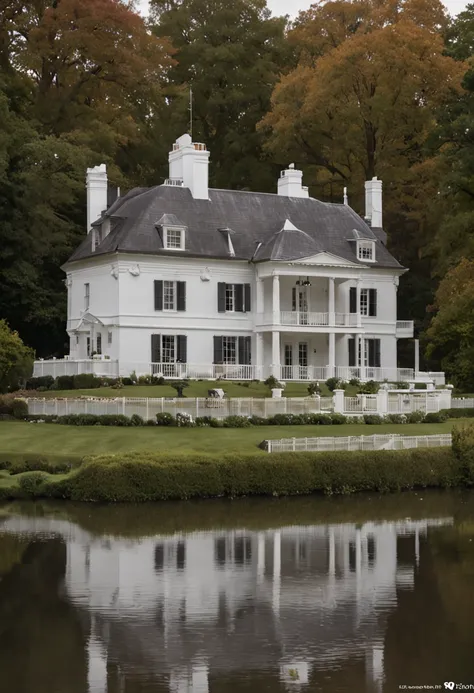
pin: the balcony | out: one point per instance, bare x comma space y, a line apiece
306, 319
405, 329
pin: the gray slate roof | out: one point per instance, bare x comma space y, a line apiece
255, 218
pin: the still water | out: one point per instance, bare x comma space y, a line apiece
356, 594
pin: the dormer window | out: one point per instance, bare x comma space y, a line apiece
366, 251
173, 238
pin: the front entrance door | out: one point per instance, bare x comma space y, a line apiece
300, 304
303, 360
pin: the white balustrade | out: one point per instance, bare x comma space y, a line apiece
353, 443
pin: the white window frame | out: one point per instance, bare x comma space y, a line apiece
230, 294
169, 348
366, 251
171, 232
364, 302
87, 296
109, 338
229, 350
170, 307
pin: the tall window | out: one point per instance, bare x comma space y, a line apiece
288, 354
229, 349
230, 297
372, 353
174, 239
109, 338
169, 348
303, 354
87, 296
99, 343
368, 302
169, 295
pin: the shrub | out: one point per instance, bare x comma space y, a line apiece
369, 388
236, 422
314, 389
373, 419
463, 450
338, 419
179, 386
115, 420
335, 384
354, 382
396, 418
85, 381
64, 382
258, 420
137, 420
165, 419
465, 413
435, 417
401, 385
144, 379
272, 383
184, 419
127, 381
151, 422
31, 483
319, 419
46, 381
415, 417
19, 409
108, 382
202, 421
133, 378
157, 380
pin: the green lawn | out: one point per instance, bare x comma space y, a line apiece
196, 389
53, 439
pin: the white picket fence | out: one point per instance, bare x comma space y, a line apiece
462, 402
375, 442
148, 408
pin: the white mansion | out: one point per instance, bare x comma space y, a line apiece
186, 281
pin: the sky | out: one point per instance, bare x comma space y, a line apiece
292, 7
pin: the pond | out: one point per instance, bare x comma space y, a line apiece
365, 593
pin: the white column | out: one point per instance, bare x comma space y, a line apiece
417, 547
260, 297
331, 301
259, 356
276, 571
360, 350
417, 356
260, 557
332, 355
276, 299
276, 354
359, 317
332, 553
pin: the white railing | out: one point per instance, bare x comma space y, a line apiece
68, 366
362, 403
405, 325
309, 373
438, 377
288, 317
148, 408
378, 374
462, 402
346, 319
353, 443
176, 182
205, 371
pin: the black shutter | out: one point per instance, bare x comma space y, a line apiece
181, 295
377, 353
239, 298
221, 297
293, 298
373, 303
247, 299
352, 352
245, 351
155, 347
353, 300
158, 294
371, 353
182, 349
248, 351
218, 349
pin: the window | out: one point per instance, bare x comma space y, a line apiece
303, 354
96, 238
169, 296
229, 297
109, 338
372, 353
233, 298
229, 350
366, 251
98, 347
87, 296
168, 348
288, 355
368, 302
174, 239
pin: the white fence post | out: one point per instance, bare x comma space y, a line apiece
339, 401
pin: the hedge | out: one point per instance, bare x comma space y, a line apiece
136, 477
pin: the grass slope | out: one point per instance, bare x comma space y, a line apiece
53, 439
196, 389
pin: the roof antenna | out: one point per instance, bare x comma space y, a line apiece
346, 201
191, 112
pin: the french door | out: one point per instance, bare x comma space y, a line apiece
303, 360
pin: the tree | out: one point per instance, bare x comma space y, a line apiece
230, 54
16, 359
451, 333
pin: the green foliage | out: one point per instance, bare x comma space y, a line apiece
272, 383
354, 382
86, 381
12, 406
64, 382
373, 419
401, 385
335, 384
179, 386
314, 389
46, 381
237, 422
369, 388
165, 419
435, 417
463, 450
16, 360
464, 413
415, 417
396, 418
137, 420
32, 483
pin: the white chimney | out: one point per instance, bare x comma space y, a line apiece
96, 193
373, 202
290, 183
189, 163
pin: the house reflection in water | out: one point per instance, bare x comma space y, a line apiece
290, 603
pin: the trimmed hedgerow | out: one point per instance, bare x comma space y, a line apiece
464, 413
